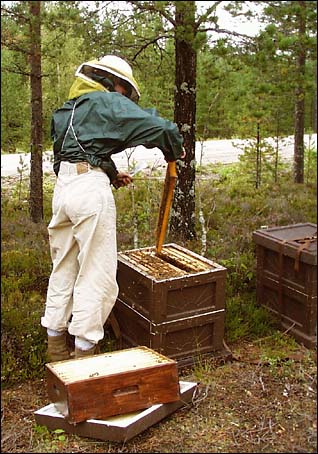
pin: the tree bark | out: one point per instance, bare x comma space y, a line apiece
314, 116
182, 221
36, 172
258, 158
300, 97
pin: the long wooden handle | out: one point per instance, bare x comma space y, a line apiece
165, 204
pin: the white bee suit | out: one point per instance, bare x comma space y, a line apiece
82, 287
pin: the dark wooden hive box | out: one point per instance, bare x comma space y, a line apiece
185, 340
173, 303
287, 277
111, 384
162, 291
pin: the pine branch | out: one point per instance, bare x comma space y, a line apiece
150, 7
205, 16
15, 71
13, 14
228, 32
149, 43
13, 46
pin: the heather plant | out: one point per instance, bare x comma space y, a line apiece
25, 269
244, 319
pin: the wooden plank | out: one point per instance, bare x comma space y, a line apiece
165, 205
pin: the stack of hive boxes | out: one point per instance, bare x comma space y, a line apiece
287, 277
173, 303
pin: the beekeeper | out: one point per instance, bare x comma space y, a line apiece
100, 118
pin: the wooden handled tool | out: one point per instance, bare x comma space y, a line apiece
165, 204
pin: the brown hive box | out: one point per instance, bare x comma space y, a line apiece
287, 277
184, 340
110, 384
173, 303
178, 284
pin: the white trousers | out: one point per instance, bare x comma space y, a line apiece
82, 287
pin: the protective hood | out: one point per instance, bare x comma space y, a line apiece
119, 68
82, 85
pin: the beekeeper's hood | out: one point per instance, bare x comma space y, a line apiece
101, 72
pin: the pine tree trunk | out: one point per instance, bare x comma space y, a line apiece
182, 222
314, 116
300, 99
36, 172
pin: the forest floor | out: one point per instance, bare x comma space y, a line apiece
254, 403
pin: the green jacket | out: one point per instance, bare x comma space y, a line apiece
106, 123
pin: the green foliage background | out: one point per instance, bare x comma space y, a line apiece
239, 82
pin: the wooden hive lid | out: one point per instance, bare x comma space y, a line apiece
112, 363
291, 240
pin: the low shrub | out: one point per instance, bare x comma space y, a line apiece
245, 319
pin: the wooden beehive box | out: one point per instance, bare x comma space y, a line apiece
177, 285
173, 303
110, 384
287, 277
185, 340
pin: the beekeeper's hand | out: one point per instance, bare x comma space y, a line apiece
122, 179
